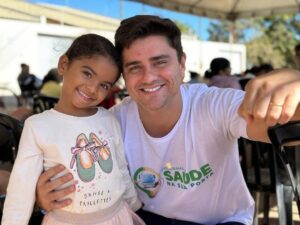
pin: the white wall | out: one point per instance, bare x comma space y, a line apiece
40, 45
200, 53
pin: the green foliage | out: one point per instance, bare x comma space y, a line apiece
273, 40
184, 28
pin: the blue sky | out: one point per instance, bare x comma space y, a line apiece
121, 9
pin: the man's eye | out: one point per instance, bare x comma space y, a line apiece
134, 69
160, 62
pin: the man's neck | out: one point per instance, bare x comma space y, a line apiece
159, 123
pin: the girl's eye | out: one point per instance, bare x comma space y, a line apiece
87, 74
105, 86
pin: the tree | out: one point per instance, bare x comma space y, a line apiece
227, 31
273, 40
277, 35
185, 29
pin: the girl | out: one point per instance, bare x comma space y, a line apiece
84, 138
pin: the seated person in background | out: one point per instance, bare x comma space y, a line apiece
51, 84
195, 77
220, 74
264, 68
28, 82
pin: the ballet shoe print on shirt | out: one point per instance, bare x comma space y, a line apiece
84, 159
104, 155
87, 152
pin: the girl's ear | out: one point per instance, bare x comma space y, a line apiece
63, 64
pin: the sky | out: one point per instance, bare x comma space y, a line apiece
121, 9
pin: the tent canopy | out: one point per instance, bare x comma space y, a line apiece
228, 9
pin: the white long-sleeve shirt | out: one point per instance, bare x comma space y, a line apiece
91, 148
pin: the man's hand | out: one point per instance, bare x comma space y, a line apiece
270, 99
47, 197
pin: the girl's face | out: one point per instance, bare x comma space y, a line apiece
86, 82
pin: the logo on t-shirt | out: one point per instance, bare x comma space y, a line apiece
147, 180
150, 181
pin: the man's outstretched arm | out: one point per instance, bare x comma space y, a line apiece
271, 99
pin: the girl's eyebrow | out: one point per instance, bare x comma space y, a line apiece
108, 83
89, 68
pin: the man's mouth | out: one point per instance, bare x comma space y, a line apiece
149, 90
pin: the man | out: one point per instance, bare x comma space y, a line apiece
180, 139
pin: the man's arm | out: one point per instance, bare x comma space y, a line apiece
271, 99
46, 196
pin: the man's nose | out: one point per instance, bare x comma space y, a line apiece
149, 73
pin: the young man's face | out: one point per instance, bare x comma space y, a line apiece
153, 73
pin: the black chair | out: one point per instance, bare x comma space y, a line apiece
43, 102
282, 136
258, 163
10, 133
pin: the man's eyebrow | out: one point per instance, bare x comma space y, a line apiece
131, 63
154, 58
159, 57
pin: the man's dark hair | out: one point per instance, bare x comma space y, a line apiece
142, 26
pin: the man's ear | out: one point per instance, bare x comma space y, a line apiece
182, 64
63, 64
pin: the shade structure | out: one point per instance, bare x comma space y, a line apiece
228, 9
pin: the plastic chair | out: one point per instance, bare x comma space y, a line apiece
281, 136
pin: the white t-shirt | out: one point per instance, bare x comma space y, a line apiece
193, 173
91, 148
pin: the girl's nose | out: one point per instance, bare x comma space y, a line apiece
92, 88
